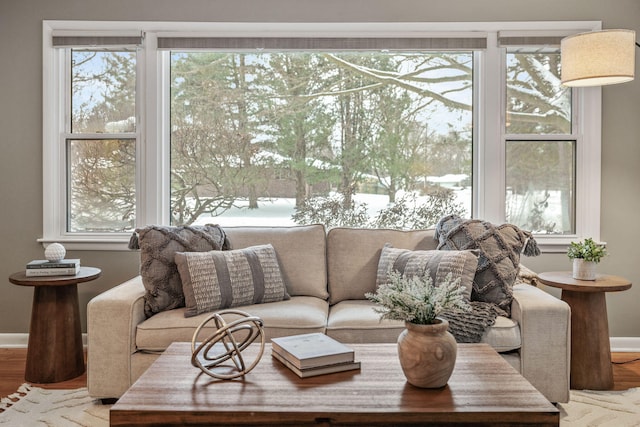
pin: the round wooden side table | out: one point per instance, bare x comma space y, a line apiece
55, 351
590, 347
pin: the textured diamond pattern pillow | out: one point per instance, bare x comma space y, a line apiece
500, 247
222, 279
158, 246
461, 264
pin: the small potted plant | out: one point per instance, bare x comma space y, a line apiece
585, 255
426, 349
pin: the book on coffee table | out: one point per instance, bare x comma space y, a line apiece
311, 350
319, 370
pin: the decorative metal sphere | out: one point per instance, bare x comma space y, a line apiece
212, 352
55, 252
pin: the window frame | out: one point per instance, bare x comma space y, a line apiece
57, 133
69, 135
585, 131
152, 102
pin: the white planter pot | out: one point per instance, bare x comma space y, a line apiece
584, 270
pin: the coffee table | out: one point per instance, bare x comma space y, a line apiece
483, 390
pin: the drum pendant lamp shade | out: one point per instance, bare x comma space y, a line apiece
598, 58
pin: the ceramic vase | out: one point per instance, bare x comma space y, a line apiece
427, 353
584, 270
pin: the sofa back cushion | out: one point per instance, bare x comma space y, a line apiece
301, 251
353, 255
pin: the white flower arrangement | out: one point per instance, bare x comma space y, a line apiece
416, 300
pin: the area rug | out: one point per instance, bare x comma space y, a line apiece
601, 408
37, 407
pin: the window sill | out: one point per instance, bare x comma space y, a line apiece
119, 243
547, 245
555, 244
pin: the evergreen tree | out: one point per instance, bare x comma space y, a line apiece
301, 123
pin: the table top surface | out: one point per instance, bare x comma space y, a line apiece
86, 274
603, 283
483, 388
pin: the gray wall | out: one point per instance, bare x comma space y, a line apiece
21, 122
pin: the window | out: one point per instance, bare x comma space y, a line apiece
365, 127
101, 141
540, 145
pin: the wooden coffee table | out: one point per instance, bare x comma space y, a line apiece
483, 390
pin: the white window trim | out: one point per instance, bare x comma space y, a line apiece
153, 151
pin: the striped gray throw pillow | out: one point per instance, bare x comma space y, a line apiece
223, 279
460, 264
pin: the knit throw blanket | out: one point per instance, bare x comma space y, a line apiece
468, 327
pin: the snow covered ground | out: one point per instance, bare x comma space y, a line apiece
277, 212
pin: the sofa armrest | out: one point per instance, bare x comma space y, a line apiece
112, 318
545, 354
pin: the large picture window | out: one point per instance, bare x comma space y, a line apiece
379, 125
377, 136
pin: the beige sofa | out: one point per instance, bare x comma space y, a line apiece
327, 275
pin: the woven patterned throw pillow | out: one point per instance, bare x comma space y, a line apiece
158, 245
461, 264
500, 247
223, 279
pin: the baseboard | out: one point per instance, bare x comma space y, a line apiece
13, 340
21, 340
618, 344
625, 344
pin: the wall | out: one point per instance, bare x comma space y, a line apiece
21, 118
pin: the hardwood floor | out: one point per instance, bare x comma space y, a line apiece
12, 365
625, 375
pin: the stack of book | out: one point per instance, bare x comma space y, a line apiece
42, 267
313, 354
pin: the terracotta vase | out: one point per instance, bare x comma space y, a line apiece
584, 270
427, 353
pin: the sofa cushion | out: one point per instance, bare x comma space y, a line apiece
500, 247
438, 264
222, 279
298, 315
301, 251
356, 322
353, 255
158, 246
503, 335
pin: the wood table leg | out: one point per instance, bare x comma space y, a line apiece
55, 338
590, 347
